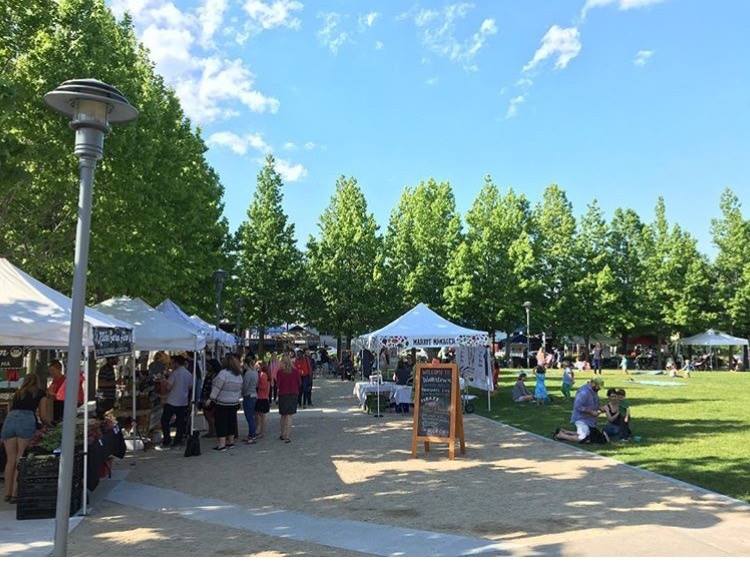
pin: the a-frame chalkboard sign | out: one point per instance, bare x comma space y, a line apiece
438, 416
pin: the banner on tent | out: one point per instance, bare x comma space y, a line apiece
12, 356
475, 366
112, 341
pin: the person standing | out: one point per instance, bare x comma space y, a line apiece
225, 395
56, 390
263, 404
18, 429
213, 367
250, 396
597, 359
273, 368
568, 379
303, 367
289, 382
540, 390
106, 386
177, 386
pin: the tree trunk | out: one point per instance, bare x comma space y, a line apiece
338, 346
659, 357
261, 337
507, 347
348, 342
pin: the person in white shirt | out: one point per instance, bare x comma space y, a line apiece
178, 387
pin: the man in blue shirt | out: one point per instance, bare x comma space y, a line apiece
586, 409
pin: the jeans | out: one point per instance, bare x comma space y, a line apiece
305, 393
180, 422
248, 406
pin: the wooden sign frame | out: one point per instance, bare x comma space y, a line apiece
456, 414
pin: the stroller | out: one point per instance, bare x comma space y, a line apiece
467, 399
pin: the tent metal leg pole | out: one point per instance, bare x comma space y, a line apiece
85, 431
135, 407
192, 405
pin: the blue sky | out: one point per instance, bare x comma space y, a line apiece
619, 100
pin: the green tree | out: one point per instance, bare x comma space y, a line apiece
343, 263
731, 235
423, 234
492, 272
157, 225
270, 265
555, 241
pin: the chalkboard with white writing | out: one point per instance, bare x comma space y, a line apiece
435, 391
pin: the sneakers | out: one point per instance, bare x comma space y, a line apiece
220, 449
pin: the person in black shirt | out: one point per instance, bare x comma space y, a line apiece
19, 427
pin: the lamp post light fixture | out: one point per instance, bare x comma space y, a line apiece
239, 303
93, 106
527, 306
220, 276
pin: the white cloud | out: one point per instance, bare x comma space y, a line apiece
642, 57
290, 172
515, 102
621, 4
331, 35
562, 43
290, 146
437, 29
210, 85
273, 14
221, 80
367, 20
431, 82
524, 83
379, 45
210, 16
310, 146
239, 144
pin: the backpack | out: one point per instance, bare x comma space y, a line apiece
193, 445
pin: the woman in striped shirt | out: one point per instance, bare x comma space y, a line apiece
226, 391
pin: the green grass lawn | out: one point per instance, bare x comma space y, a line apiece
699, 432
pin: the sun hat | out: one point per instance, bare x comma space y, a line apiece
598, 381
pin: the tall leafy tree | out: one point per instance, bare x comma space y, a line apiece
343, 263
492, 272
555, 241
731, 235
270, 264
157, 226
593, 289
423, 234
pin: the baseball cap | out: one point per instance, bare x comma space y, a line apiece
522, 374
598, 381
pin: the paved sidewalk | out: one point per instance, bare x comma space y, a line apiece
533, 496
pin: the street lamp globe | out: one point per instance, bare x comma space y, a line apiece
527, 305
93, 106
220, 277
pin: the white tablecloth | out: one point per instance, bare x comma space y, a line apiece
401, 395
361, 389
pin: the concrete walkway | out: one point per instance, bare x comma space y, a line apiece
348, 472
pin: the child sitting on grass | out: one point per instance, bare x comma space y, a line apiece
568, 379
625, 412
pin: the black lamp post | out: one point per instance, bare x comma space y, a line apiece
527, 306
220, 276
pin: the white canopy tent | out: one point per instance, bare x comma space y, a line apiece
421, 327
712, 338
216, 335
35, 315
172, 311
155, 331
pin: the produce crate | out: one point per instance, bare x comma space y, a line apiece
37, 486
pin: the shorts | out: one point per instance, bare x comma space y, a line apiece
583, 430
19, 423
288, 404
262, 406
566, 389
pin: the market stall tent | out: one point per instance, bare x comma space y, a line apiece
35, 315
712, 338
215, 334
421, 327
155, 331
172, 311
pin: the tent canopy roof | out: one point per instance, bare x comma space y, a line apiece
33, 314
714, 338
155, 331
422, 327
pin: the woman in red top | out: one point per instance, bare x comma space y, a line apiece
288, 380
263, 404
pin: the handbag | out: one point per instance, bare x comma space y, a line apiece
193, 445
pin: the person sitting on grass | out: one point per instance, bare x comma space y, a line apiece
625, 412
540, 390
568, 380
586, 409
520, 391
612, 410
